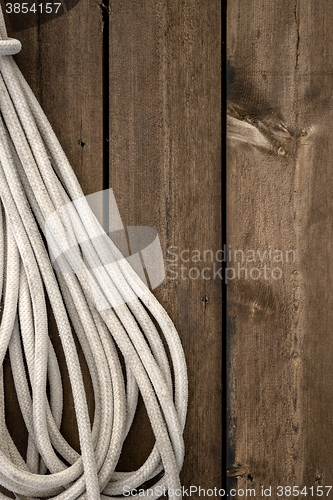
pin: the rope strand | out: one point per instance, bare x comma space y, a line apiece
94, 292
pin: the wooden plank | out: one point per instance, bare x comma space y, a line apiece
62, 61
315, 186
165, 172
264, 379
279, 198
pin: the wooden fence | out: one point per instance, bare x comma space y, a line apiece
132, 90
279, 192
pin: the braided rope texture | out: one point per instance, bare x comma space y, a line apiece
107, 306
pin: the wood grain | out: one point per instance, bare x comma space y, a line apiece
165, 172
279, 198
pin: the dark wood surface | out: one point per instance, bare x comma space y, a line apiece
164, 129
280, 198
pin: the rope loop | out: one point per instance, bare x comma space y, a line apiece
10, 47
100, 305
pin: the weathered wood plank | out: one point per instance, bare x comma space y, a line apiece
165, 172
279, 198
315, 189
62, 61
264, 378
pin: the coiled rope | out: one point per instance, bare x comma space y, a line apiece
94, 291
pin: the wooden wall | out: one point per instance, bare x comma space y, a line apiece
279, 193
153, 66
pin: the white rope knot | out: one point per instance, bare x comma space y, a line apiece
10, 47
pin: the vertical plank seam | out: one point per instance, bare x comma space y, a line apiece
298, 335
224, 330
105, 8
166, 118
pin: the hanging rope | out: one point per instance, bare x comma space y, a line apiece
92, 291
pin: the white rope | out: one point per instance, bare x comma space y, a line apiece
93, 290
